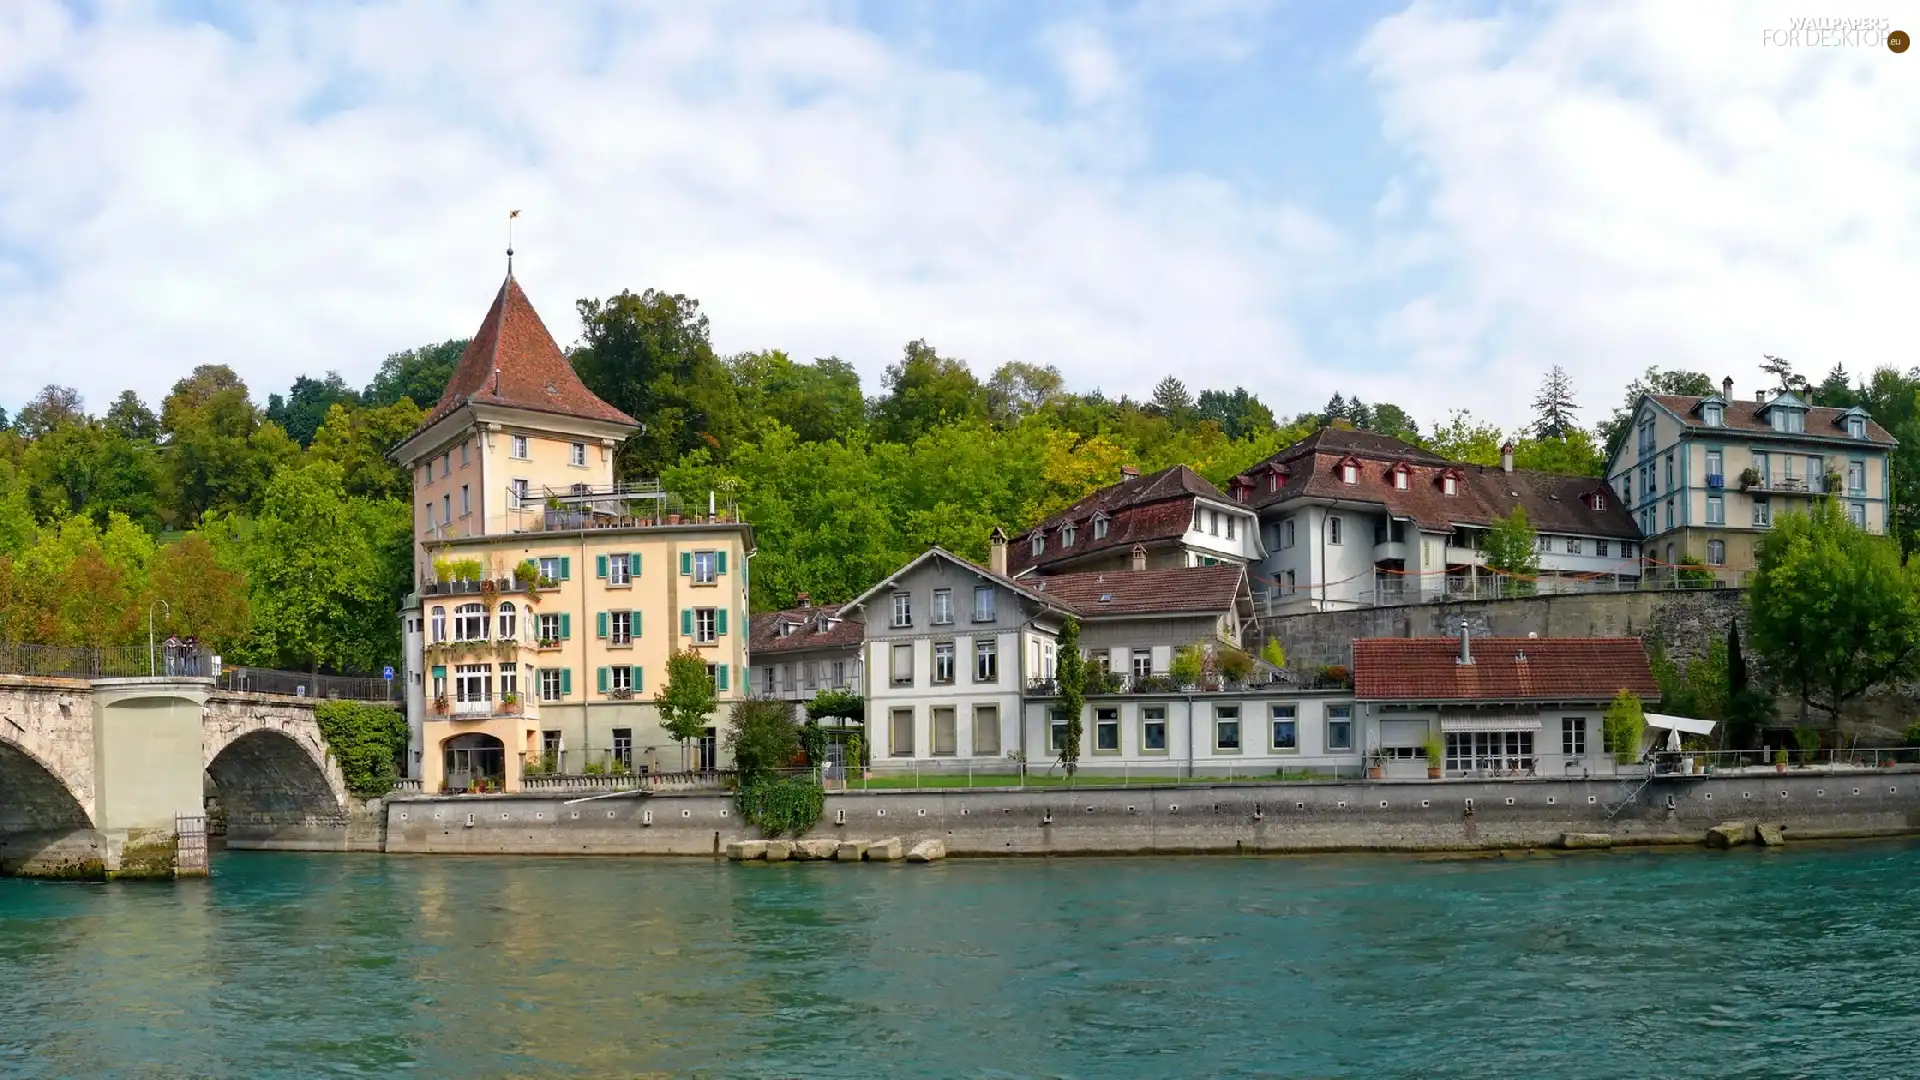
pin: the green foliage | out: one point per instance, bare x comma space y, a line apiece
651, 355
762, 738
1436, 751
358, 440
1187, 665
1625, 724
1235, 664
1274, 653
813, 743
1072, 675
369, 742
526, 572
1832, 611
1912, 735
1614, 429
1512, 548
781, 805
1693, 572
417, 375
1333, 675
686, 699
845, 705
450, 570
301, 412
924, 391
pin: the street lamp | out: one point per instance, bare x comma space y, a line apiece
151, 668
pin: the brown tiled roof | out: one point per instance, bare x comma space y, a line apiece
1554, 503
533, 373
1150, 509
1360, 444
1147, 592
1745, 416
1553, 669
764, 637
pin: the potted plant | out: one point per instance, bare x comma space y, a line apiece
1749, 478
440, 703
1376, 763
1780, 760
526, 572
510, 701
1436, 756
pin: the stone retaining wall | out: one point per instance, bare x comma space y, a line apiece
1392, 816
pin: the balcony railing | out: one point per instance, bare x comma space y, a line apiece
641, 504
1716, 480
1107, 684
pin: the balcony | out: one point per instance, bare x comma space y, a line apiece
478, 706
638, 505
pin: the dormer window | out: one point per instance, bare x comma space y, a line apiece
1400, 479
1273, 481
1788, 419
1712, 415
1039, 541
1598, 500
1349, 473
1449, 485
1100, 528
1066, 535
1856, 427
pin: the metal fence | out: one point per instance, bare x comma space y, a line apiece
1103, 683
1743, 762
304, 684
109, 662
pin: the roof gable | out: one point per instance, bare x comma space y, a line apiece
514, 362
937, 553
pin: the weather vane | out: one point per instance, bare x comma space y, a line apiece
511, 214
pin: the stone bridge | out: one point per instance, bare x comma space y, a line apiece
94, 775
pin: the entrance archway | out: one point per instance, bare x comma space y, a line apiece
470, 757
272, 789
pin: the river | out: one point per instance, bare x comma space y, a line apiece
1798, 962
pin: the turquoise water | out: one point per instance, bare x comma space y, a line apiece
1749, 963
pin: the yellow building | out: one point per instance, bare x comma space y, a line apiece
549, 596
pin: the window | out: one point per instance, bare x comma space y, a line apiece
550, 746
520, 447
1791, 420
1762, 512
509, 621
1543, 543
704, 567
470, 623
1286, 533
1039, 541
623, 746
902, 673
1858, 513
1714, 467
1716, 510
1856, 476
552, 567
580, 454
518, 494
1856, 427
943, 661
1273, 481
944, 736
1400, 479
1815, 474
1106, 731
552, 682
706, 625
1142, 663
1760, 465
473, 682
1339, 727
839, 674
1066, 535
1349, 474
1504, 751
902, 609
1669, 470
1600, 548
439, 623
1449, 485
1716, 553
986, 661
1213, 523
446, 465
986, 731
1573, 736
426, 474
466, 500
1057, 731
1626, 549
1226, 728
619, 570
509, 681
1229, 526
943, 607
1153, 729
1669, 512
1599, 500
620, 681
620, 628
1711, 414
1573, 545
1099, 528
446, 508
1333, 530
983, 606
809, 676
1646, 436
1286, 727
1287, 585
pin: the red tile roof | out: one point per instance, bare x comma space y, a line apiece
1745, 416
1503, 669
764, 637
1208, 589
533, 372
1150, 509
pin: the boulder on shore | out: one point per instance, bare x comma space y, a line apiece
927, 851
1579, 841
1771, 835
850, 851
806, 850
889, 850
1729, 834
747, 850
779, 851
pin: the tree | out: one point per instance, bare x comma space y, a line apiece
1391, 420
762, 738
923, 391
1072, 673
1748, 708
818, 401
82, 466
1171, 400
419, 375
220, 455
1512, 550
1832, 611
1018, 389
686, 699
1239, 414
204, 598
305, 407
51, 407
1464, 439
1653, 381
1836, 390
1554, 407
1625, 725
650, 355
1572, 454
129, 418
357, 440
1782, 371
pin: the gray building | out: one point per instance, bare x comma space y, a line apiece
794, 654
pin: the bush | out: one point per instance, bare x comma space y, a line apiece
843, 704
1333, 675
1235, 664
1625, 725
1693, 572
1913, 734
1187, 665
781, 805
762, 738
369, 742
1274, 653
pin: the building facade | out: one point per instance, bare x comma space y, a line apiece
797, 653
549, 597
1705, 477
1171, 518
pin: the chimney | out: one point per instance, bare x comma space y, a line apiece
1466, 651
1129, 472
1139, 557
1726, 389
997, 551
1506, 457
802, 600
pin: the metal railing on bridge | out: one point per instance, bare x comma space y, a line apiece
103, 662
367, 688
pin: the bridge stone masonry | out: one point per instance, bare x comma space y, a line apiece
106, 778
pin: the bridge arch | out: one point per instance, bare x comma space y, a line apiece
275, 779
39, 816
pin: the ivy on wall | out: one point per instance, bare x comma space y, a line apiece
369, 742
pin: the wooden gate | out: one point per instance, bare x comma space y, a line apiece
190, 858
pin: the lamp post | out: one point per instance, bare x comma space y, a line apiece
151, 668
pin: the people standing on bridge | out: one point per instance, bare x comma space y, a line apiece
171, 651
190, 655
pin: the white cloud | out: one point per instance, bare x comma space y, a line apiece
1092, 72
1621, 185
333, 188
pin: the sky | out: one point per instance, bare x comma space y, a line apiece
1429, 204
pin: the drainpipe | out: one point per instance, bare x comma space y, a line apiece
1190, 736
1323, 560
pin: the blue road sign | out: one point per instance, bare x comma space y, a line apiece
387, 673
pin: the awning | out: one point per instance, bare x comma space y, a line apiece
1686, 725
1490, 723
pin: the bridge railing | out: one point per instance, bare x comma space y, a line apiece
103, 662
372, 689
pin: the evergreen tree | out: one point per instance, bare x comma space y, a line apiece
1554, 408
1072, 673
1170, 397
1781, 369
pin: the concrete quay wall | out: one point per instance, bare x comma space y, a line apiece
1389, 816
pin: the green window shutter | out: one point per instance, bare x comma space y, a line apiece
566, 682
633, 565
601, 676
636, 622
746, 682
686, 563
686, 622
566, 568
600, 566
439, 672
720, 621
720, 561
600, 624
566, 625
639, 682
723, 677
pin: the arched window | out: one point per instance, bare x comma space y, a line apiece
509, 617
439, 624
470, 623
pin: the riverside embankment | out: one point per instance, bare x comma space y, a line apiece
1200, 819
